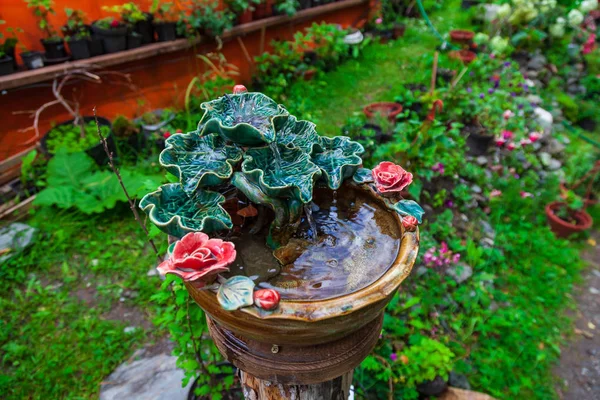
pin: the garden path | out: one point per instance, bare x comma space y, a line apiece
579, 368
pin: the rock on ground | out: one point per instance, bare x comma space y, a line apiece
150, 378
579, 368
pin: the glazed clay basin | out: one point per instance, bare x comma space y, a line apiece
312, 322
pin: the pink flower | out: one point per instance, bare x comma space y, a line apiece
500, 141
443, 248
525, 142
267, 299
508, 114
525, 194
197, 257
511, 146
534, 136
393, 357
439, 167
495, 193
114, 23
390, 177
590, 44
379, 20
507, 134
409, 223
427, 258
456, 258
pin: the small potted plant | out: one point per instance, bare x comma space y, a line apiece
466, 56
78, 36
127, 132
569, 216
165, 21
9, 44
242, 9
139, 24
207, 19
264, 9
53, 44
112, 32
6, 60
32, 59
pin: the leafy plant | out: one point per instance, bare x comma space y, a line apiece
238, 7
8, 45
123, 127
70, 137
75, 182
205, 17
75, 27
130, 13
287, 7
42, 9
164, 11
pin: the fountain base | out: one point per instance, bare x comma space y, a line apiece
284, 371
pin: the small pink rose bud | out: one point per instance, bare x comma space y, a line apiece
511, 146
239, 89
267, 299
409, 223
534, 136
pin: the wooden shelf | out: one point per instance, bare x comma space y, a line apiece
25, 78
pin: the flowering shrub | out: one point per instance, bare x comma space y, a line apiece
440, 258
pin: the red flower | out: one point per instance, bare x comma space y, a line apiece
267, 299
167, 134
507, 134
197, 257
390, 177
511, 146
409, 223
239, 89
534, 136
114, 23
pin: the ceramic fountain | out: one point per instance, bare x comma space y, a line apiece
290, 246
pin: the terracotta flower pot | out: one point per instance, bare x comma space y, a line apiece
461, 36
388, 109
466, 56
590, 201
563, 229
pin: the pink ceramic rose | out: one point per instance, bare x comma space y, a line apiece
390, 177
267, 299
409, 223
196, 257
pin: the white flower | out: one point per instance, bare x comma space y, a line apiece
503, 11
588, 5
557, 30
575, 17
561, 21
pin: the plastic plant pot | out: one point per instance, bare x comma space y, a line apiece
80, 48
33, 59
55, 49
6, 65
165, 31
113, 40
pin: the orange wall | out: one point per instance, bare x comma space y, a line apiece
161, 81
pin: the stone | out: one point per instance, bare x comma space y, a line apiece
532, 74
487, 229
476, 189
488, 243
549, 162
15, 237
554, 147
460, 272
432, 388
481, 160
458, 381
593, 290
544, 118
148, 378
532, 98
130, 329
537, 62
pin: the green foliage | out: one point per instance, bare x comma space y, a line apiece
42, 9
130, 13
569, 106
124, 127
73, 181
71, 138
287, 7
205, 18
75, 28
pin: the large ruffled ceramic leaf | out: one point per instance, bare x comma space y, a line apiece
177, 214
289, 175
245, 119
293, 133
199, 161
409, 207
236, 292
338, 160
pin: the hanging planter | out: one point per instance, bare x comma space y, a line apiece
578, 220
466, 56
461, 36
386, 109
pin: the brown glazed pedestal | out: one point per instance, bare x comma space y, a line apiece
306, 349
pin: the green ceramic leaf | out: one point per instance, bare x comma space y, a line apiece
293, 133
409, 207
282, 172
236, 292
199, 161
173, 212
363, 175
255, 194
245, 119
338, 160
